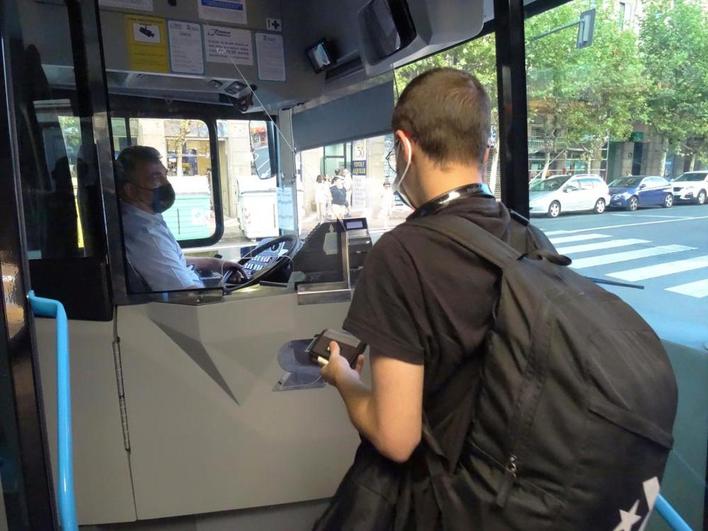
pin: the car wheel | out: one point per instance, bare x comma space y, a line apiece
701, 197
669, 201
554, 209
600, 206
632, 204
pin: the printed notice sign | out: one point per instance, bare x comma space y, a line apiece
271, 57
186, 52
224, 44
147, 44
137, 5
286, 208
233, 11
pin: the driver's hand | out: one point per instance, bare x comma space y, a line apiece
238, 273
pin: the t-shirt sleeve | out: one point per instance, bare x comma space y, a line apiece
387, 306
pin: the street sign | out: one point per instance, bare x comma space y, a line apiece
358, 167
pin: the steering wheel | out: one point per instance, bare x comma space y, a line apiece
264, 260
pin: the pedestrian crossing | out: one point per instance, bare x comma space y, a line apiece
600, 250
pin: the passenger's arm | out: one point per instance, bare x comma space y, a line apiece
390, 413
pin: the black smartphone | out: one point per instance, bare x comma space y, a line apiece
349, 346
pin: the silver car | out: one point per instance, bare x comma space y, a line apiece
566, 193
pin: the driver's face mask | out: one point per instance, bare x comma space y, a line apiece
398, 181
163, 197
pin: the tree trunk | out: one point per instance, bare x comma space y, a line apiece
692, 163
596, 158
494, 170
179, 169
546, 165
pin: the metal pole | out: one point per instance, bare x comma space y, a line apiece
511, 85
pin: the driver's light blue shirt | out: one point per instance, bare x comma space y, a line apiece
154, 253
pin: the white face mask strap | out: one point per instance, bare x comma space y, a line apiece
399, 180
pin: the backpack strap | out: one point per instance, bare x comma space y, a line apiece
472, 237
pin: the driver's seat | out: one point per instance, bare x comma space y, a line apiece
136, 282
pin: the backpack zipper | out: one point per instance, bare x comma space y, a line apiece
510, 476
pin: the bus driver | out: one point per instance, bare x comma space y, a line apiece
151, 248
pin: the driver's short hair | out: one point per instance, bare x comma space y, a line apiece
447, 113
129, 159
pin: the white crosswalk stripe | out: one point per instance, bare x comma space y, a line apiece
660, 270
626, 256
613, 244
550, 233
698, 289
578, 238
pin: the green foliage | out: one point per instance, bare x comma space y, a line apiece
656, 73
477, 57
586, 96
674, 49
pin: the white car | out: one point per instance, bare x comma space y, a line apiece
691, 186
566, 193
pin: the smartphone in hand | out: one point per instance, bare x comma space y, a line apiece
349, 346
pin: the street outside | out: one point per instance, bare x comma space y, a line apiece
664, 250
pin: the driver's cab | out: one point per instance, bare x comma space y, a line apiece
183, 403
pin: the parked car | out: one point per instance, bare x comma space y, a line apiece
691, 186
636, 191
567, 193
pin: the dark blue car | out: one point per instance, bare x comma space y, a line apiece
636, 191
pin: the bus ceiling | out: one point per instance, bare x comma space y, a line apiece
180, 51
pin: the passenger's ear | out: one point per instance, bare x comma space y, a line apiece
485, 158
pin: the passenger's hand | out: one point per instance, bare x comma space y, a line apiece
338, 366
238, 273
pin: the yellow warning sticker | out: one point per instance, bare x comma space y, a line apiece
147, 44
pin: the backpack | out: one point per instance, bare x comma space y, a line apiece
567, 418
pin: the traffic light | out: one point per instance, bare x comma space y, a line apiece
586, 29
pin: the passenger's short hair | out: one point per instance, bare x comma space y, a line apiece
128, 160
447, 113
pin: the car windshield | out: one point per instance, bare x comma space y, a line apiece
627, 182
549, 185
693, 176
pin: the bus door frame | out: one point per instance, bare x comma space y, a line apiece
34, 507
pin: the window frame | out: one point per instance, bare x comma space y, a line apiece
215, 173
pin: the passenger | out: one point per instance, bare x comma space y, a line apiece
322, 197
423, 304
348, 182
152, 250
339, 197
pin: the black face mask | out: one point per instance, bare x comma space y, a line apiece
163, 197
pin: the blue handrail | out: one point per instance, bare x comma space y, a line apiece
67, 502
669, 514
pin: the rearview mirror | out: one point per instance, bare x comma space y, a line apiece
642, 186
260, 155
570, 188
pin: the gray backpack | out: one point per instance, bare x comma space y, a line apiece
567, 418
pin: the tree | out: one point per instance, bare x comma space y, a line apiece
674, 50
185, 127
583, 97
